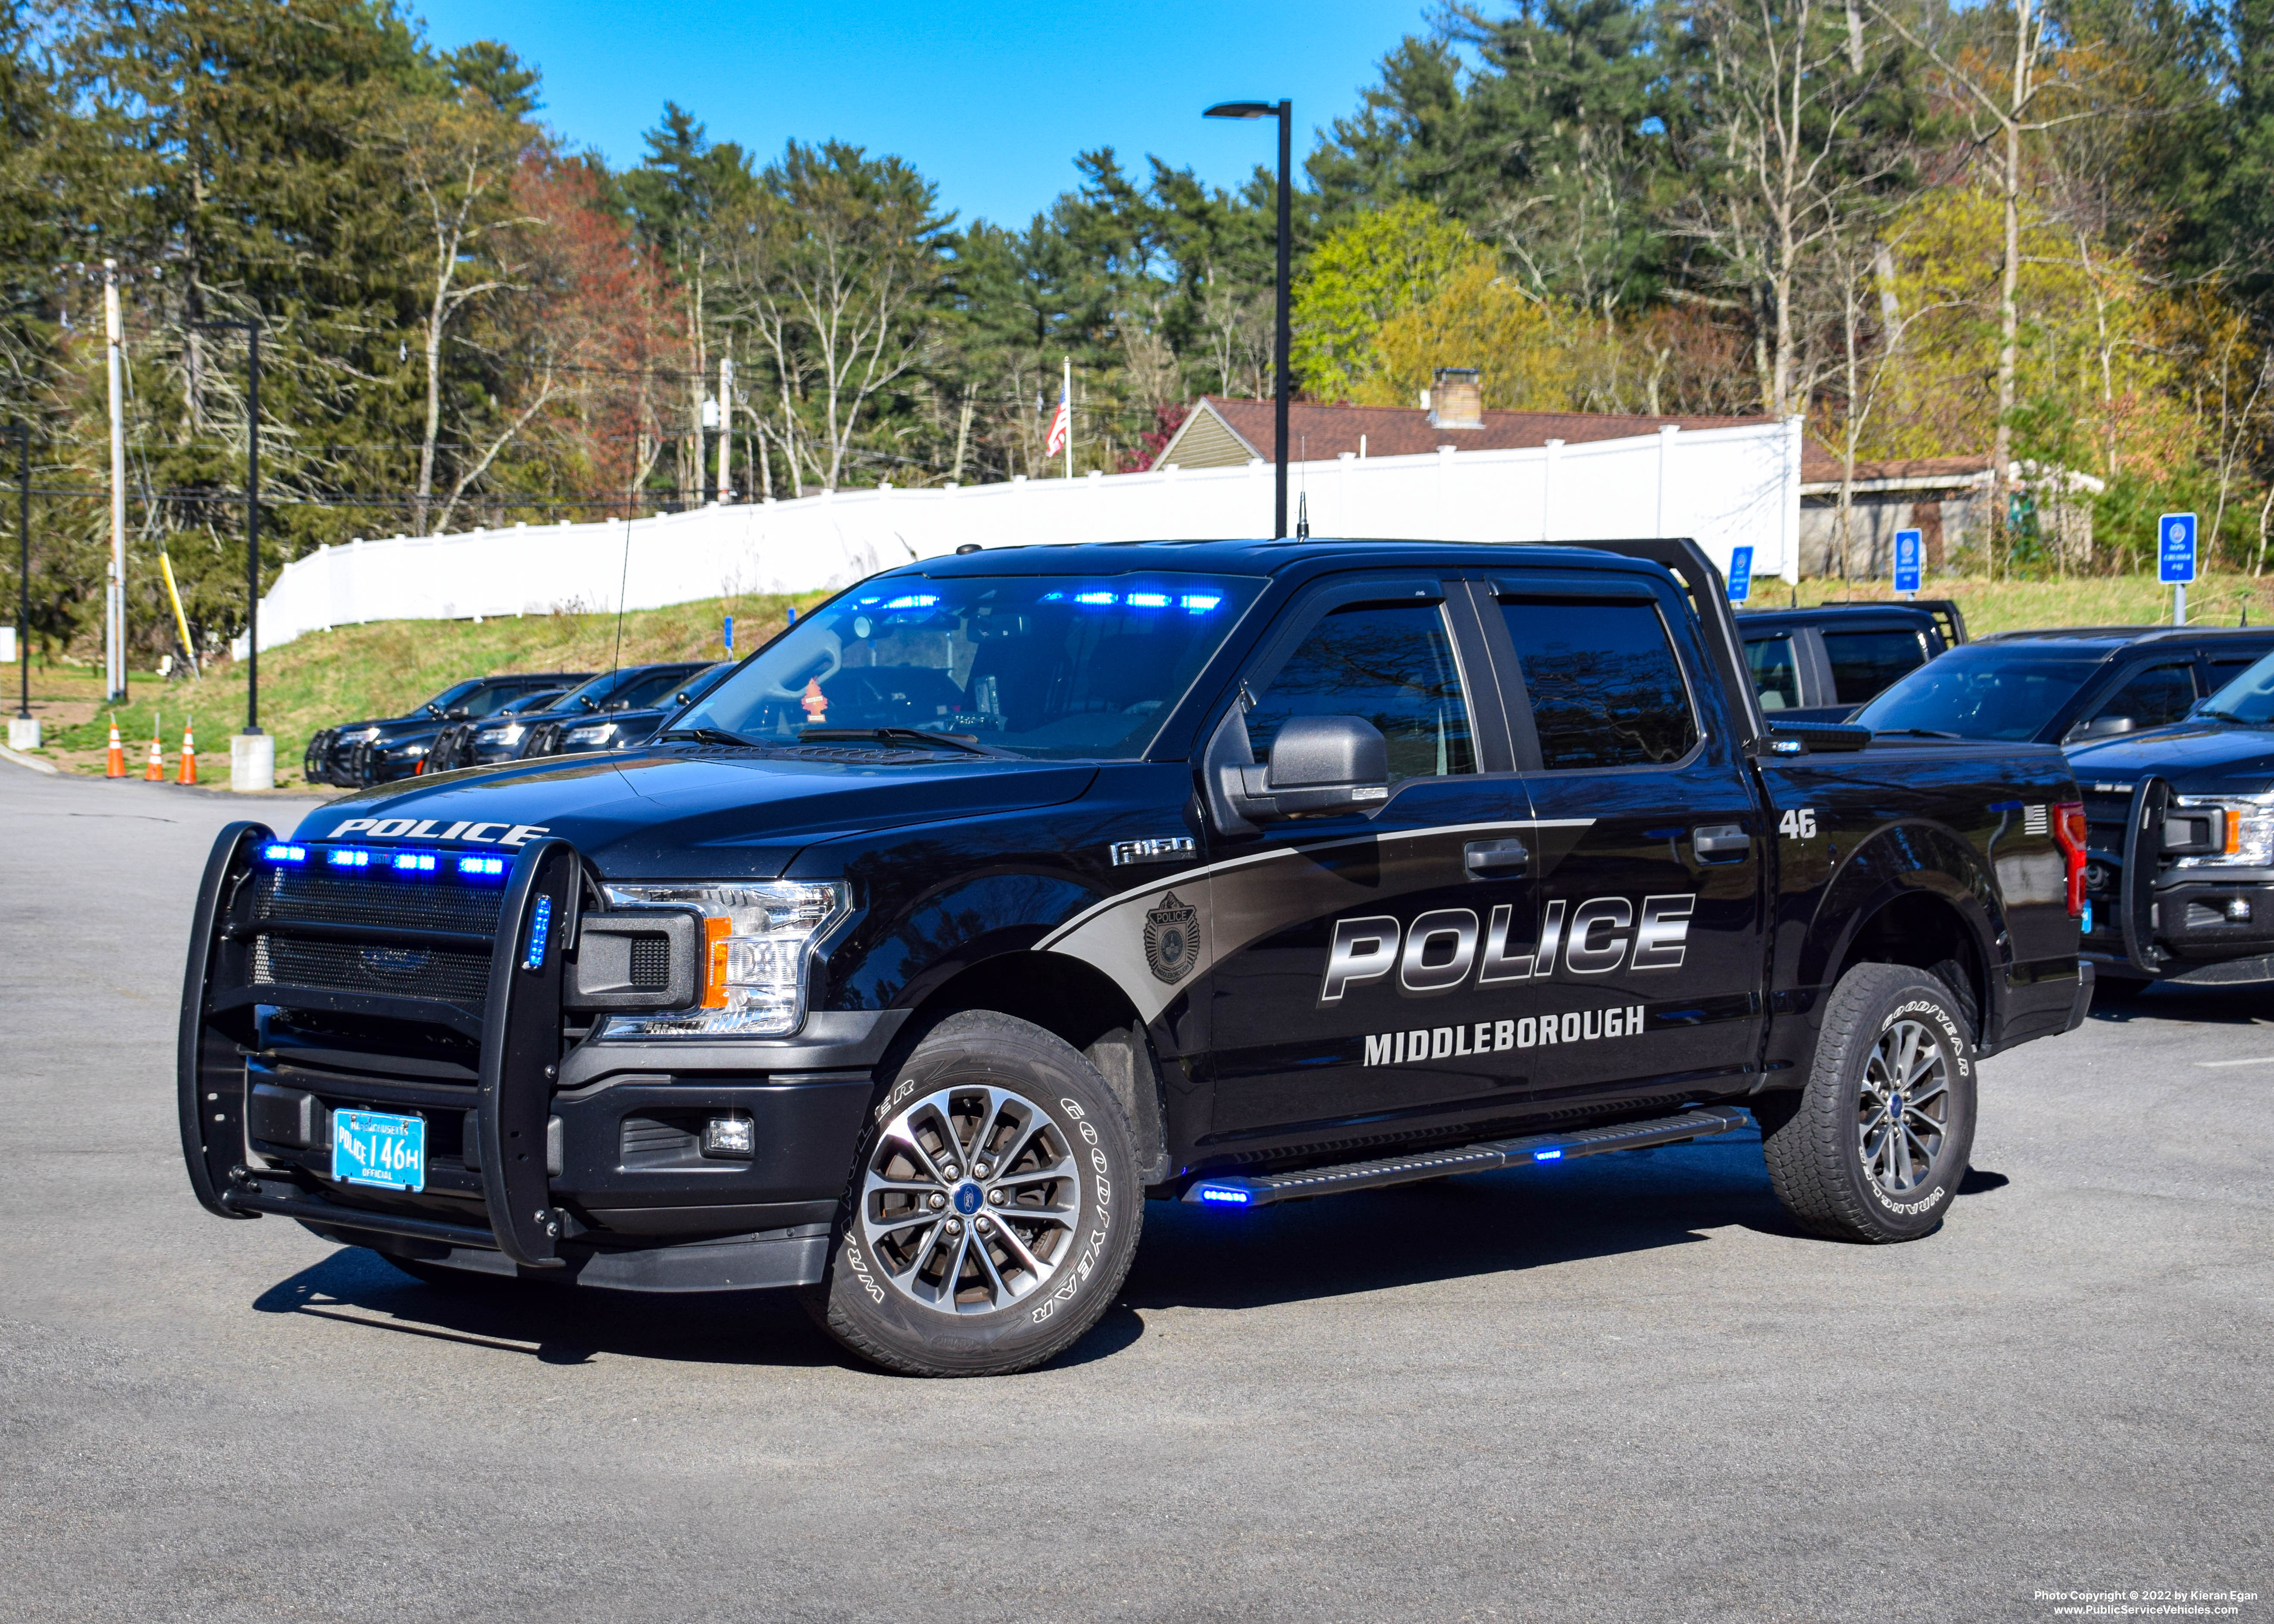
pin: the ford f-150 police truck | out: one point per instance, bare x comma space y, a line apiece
1005, 891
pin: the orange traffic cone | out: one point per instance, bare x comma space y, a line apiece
189, 773
117, 751
155, 772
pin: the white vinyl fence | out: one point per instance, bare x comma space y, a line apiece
1724, 487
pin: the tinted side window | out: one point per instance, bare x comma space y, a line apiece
2152, 697
1863, 662
1392, 666
1606, 689
1776, 673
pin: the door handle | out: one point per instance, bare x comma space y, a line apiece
1720, 842
1484, 859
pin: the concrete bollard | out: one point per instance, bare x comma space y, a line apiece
252, 761
23, 733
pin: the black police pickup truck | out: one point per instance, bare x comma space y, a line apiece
1005, 891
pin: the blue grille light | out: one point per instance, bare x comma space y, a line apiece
481, 865
348, 859
1223, 1195
540, 923
1148, 600
415, 861
1548, 1155
285, 854
1200, 603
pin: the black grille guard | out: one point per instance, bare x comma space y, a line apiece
519, 1028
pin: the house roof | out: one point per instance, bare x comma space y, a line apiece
1323, 433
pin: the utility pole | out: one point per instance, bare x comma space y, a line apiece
24, 727
115, 598
725, 428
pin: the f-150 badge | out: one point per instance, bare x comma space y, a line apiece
1168, 945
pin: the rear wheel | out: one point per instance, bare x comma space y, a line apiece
1874, 1147
993, 1211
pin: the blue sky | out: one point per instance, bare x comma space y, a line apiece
991, 101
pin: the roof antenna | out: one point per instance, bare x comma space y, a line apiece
625, 576
1303, 491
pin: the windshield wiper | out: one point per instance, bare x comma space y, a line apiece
709, 735
1919, 733
891, 735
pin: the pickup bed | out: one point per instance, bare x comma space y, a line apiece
1005, 891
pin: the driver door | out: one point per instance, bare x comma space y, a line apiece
1363, 964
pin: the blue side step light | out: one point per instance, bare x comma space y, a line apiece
1223, 1195
540, 925
1548, 1155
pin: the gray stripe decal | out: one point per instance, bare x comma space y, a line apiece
1187, 877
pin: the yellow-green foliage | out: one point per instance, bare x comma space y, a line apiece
1385, 264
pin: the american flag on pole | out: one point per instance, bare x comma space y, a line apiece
1061, 422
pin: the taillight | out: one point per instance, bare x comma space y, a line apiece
2068, 833
715, 931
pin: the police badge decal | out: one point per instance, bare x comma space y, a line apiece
1169, 947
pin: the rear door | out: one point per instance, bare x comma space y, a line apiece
1363, 965
1648, 974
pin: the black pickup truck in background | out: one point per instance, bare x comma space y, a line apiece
1818, 664
1005, 891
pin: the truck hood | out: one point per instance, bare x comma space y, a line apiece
2198, 757
675, 814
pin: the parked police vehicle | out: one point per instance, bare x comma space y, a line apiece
1818, 664
596, 704
2066, 686
1006, 890
454, 747
2180, 874
642, 718
393, 746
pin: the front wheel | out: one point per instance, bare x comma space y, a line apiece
993, 1211
1874, 1147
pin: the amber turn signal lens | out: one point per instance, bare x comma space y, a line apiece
714, 962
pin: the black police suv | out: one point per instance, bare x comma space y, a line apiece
2181, 838
1005, 891
2067, 686
455, 745
633, 714
392, 748
1818, 664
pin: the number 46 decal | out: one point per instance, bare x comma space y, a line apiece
1798, 824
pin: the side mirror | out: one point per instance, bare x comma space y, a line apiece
2102, 727
457, 713
1318, 763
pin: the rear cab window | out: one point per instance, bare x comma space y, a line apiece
1775, 667
1606, 687
1866, 662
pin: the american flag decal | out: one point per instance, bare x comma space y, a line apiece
2033, 821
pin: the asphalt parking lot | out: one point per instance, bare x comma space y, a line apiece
1621, 1389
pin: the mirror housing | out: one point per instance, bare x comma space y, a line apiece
1318, 763
2101, 727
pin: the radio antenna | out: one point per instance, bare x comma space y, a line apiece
1303, 492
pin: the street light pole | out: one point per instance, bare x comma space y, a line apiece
1281, 387
24, 586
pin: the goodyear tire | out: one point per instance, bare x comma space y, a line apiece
1874, 1147
993, 1209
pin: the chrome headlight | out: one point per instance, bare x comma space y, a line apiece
757, 942
598, 732
509, 734
2249, 833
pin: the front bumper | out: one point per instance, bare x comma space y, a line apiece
587, 1164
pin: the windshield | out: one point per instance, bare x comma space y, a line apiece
1061, 666
655, 688
453, 694
1980, 692
596, 692
2249, 698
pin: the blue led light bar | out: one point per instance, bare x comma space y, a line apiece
540, 926
1200, 603
481, 865
914, 600
416, 862
1224, 1195
347, 857
1548, 1155
281, 853
1094, 599
1148, 600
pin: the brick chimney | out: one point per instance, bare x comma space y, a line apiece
1457, 398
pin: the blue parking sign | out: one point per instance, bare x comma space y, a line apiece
2175, 548
1740, 574
1910, 553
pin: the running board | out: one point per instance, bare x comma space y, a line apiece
1484, 1158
